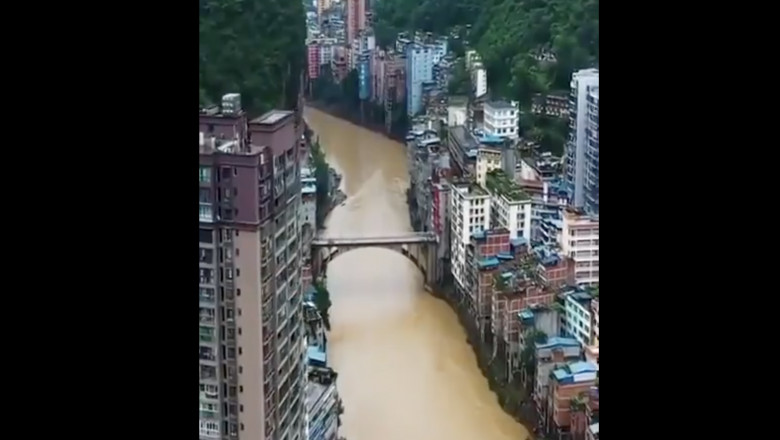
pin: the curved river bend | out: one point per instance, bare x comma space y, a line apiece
405, 369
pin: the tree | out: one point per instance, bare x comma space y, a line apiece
322, 302
254, 47
528, 355
322, 176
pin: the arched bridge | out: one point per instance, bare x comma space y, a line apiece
419, 247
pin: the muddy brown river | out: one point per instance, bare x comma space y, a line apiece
405, 369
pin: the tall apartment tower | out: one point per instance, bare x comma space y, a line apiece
592, 153
251, 357
322, 6
356, 19
419, 69
577, 157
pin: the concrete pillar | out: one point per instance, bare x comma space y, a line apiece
431, 263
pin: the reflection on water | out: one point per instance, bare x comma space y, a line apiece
405, 369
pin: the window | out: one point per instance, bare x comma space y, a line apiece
239, 351
238, 293
204, 175
240, 388
241, 408
238, 272
205, 236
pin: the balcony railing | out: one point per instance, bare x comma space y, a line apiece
210, 415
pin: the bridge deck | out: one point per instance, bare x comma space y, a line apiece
374, 241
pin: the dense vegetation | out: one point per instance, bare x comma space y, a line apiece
322, 175
255, 47
508, 34
322, 302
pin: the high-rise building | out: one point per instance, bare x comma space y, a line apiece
322, 6
577, 157
313, 60
356, 19
419, 69
592, 153
251, 357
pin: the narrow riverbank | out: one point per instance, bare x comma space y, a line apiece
511, 395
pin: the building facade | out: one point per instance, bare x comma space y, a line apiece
356, 19
470, 211
591, 189
567, 384
250, 330
576, 158
553, 353
510, 204
576, 319
313, 60
419, 70
580, 241
501, 119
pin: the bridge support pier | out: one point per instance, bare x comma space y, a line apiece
431, 267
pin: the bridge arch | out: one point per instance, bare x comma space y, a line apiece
419, 248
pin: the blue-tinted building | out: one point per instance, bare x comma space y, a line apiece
364, 77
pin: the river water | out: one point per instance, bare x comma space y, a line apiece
405, 369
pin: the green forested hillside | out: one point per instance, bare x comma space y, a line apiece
506, 33
255, 47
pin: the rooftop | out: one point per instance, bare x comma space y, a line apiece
316, 355
558, 341
576, 372
500, 105
498, 183
547, 256
581, 297
471, 188
271, 117
213, 145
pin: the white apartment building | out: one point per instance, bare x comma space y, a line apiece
470, 212
580, 241
501, 119
457, 114
576, 158
511, 206
488, 159
478, 73
479, 80
577, 317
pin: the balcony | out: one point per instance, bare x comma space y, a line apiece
205, 213
209, 415
206, 334
213, 395
206, 297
